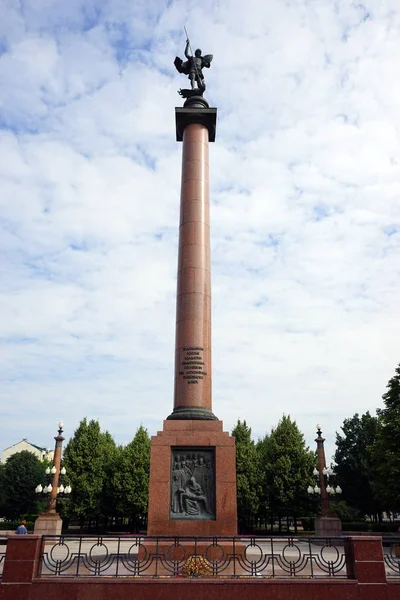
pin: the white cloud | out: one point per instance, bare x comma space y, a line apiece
305, 211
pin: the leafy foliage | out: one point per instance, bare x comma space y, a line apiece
353, 459
12, 525
107, 479
130, 478
247, 476
87, 458
286, 467
18, 479
2, 489
386, 450
347, 513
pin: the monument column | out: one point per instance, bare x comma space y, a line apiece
192, 389
193, 461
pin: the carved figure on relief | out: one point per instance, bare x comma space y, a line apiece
191, 489
193, 498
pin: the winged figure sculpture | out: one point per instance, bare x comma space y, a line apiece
193, 68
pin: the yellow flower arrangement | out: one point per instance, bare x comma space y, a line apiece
197, 565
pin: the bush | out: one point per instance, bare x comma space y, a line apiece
345, 512
356, 526
368, 526
12, 525
308, 523
30, 517
386, 527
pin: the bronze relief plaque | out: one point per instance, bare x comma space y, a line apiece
192, 483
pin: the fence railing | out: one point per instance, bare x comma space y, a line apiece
227, 557
391, 555
3, 549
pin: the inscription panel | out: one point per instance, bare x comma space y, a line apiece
192, 483
192, 366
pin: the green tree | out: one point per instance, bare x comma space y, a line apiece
130, 478
286, 466
247, 481
386, 450
87, 458
354, 462
18, 479
2, 489
345, 512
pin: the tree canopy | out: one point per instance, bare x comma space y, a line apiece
286, 466
130, 478
87, 458
353, 459
386, 450
247, 480
105, 478
19, 477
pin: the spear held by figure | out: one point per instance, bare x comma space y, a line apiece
193, 67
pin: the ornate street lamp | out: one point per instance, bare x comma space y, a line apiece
327, 524
325, 491
62, 491
50, 522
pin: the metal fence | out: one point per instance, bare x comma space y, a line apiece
3, 549
391, 556
223, 557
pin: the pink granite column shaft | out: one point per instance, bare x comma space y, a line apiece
193, 311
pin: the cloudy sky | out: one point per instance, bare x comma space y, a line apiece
305, 185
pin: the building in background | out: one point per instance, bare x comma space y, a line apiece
38, 451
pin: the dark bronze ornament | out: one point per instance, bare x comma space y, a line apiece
193, 68
192, 483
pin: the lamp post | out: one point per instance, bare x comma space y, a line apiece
325, 491
327, 524
50, 522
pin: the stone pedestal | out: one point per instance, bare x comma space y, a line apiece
48, 524
328, 527
191, 437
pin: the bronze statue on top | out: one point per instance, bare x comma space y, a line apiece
193, 68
